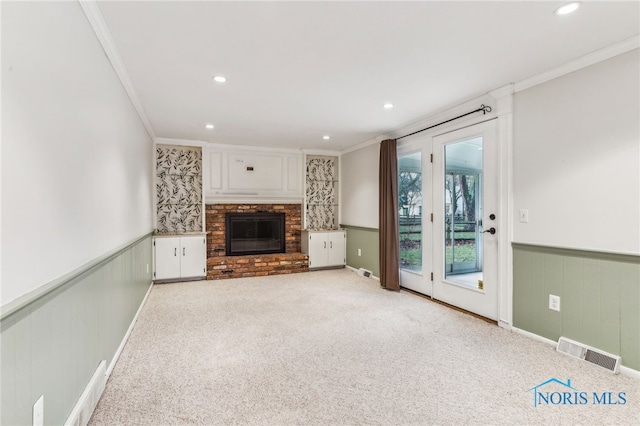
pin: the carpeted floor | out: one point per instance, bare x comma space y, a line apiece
333, 348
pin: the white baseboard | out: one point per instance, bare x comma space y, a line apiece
505, 325
534, 336
128, 333
629, 372
87, 402
351, 268
82, 411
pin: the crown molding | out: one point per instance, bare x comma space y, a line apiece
364, 144
583, 62
180, 142
230, 147
326, 152
501, 92
97, 22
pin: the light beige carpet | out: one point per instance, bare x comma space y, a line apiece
333, 348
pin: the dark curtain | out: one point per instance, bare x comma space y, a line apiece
388, 216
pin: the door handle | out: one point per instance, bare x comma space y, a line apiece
330, 244
325, 244
183, 251
175, 251
492, 231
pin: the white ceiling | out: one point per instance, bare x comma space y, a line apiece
299, 70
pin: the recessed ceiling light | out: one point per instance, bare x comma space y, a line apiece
219, 79
326, 137
388, 106
209, 126
567, 8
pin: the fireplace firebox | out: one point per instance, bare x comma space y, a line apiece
254, 233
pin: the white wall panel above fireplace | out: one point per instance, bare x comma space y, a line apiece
252, 175
255, 172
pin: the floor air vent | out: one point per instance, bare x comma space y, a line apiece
364, 272
589, 354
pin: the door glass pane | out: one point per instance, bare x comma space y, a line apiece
463, 212
410, 211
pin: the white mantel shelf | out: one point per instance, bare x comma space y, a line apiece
256, 200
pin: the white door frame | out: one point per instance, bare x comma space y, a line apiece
501, 102
413, 280
480, 301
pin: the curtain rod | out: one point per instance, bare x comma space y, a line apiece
484, 108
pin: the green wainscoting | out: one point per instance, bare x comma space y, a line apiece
599, 297
365, 239
53, 343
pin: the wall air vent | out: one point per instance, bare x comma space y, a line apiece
589, 354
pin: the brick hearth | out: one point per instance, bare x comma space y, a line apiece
219, 265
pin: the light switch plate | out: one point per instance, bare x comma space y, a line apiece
554, 303
524, 215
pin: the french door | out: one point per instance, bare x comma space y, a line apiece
465, 205
448, 201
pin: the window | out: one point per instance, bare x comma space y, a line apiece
410, 211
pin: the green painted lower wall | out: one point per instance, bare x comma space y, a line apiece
365, 239
53, 345
599, 298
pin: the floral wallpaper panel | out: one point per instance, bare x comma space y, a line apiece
321, 168
178, 161
179, 189
176, 189
179, 217
321, 194
321, 216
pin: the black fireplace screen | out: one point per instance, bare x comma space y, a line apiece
254, 233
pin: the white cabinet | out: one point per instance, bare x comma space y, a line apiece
325, 248
180, 256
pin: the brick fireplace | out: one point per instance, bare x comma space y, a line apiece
219, 265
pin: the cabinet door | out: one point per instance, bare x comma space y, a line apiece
336, 248
193, 256
318, 249
167, 258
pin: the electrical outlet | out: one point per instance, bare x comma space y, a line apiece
524, 215
359, 252
38, 412
554, 303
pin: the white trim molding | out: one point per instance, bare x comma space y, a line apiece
583, 62
229, 147
227, 199
364, 144
181, 142
326, 152
97, 22
116, 356
504, 110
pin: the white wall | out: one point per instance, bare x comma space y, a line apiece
577, 158
77, 161
359, 187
